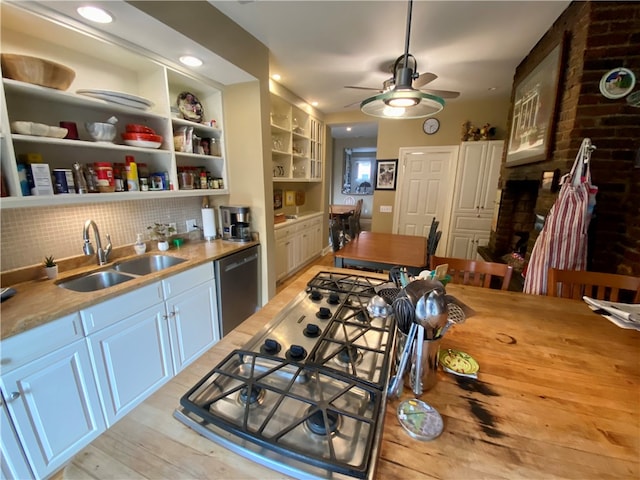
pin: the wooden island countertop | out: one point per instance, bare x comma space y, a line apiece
557, 397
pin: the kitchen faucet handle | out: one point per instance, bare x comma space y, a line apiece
107, 250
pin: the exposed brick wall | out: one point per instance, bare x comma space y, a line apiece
599, 36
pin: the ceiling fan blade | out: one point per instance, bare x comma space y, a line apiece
441, 93
423, 79
363, 88
352, 104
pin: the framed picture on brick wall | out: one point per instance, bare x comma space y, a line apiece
535, 102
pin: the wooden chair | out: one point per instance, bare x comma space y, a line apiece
472, 272
352, 223
603, 286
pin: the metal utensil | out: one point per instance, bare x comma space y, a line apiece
417, 364
378, 307
396, 380
431, 311
404, 312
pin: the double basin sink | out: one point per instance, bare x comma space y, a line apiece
119, 273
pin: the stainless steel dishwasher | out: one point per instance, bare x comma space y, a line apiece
238, 288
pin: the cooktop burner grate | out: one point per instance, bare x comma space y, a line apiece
301, 411
340, 282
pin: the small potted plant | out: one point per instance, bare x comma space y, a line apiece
50, 267
161, 232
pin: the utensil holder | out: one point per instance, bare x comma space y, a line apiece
429, 364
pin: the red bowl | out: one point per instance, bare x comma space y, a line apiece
134, 128
146, 137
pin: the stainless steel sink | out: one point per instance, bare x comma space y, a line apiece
95, 281
147, 264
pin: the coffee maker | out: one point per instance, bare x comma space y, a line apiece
235, 223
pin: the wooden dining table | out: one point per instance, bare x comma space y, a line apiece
381, 251
556, 396
340, 209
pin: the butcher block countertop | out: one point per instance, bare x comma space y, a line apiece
557, 397
40, 301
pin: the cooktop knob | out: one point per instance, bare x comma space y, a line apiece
296, 352
311, 330
270, 346
324, 313
315, 295
334, 298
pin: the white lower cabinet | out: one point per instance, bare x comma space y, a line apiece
13, 463
465, 244
132, 359
53, 402
65, 382
296, 244
192, 314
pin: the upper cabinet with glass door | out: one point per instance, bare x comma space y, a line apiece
111, 82
297, 149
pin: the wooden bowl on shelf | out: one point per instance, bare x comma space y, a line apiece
37, 71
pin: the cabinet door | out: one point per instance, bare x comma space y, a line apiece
465, 244
468, 183
281, 257
490, 177
55, 408
193, 324
132, 359
13, 464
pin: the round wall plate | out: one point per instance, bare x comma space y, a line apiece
617, 83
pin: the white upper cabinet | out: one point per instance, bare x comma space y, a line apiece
106, 67
297, 148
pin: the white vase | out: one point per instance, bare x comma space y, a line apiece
52, 272
163, 246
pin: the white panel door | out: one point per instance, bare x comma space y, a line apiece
193, 323
132, 359
55, 408
493, 162
469, 178
423, 190
13, 464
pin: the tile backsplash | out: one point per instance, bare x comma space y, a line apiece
29, 234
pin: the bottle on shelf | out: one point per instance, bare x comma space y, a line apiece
140, 247
132, 174
79, 179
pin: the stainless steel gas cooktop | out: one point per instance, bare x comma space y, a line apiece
307, 394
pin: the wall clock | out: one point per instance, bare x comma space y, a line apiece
431, 126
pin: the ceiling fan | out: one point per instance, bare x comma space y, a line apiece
419, 80
399, 98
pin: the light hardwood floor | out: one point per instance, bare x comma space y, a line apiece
326, 261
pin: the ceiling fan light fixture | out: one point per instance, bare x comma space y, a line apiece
402, 100
390, 104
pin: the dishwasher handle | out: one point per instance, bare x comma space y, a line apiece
234, 265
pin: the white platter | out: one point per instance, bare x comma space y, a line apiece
142, 143
119, 98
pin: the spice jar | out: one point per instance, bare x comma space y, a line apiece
104, 172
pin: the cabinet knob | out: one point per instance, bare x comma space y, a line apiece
14, 396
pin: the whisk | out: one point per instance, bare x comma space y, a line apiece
404, 312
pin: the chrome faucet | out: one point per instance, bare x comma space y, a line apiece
88, 248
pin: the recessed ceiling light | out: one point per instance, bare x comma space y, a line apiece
95, 14
348, 129
314, 104
191, 61
276, 77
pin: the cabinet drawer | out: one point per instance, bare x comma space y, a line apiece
24, 347
111, 311
472, 223
285, 232
184, 281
